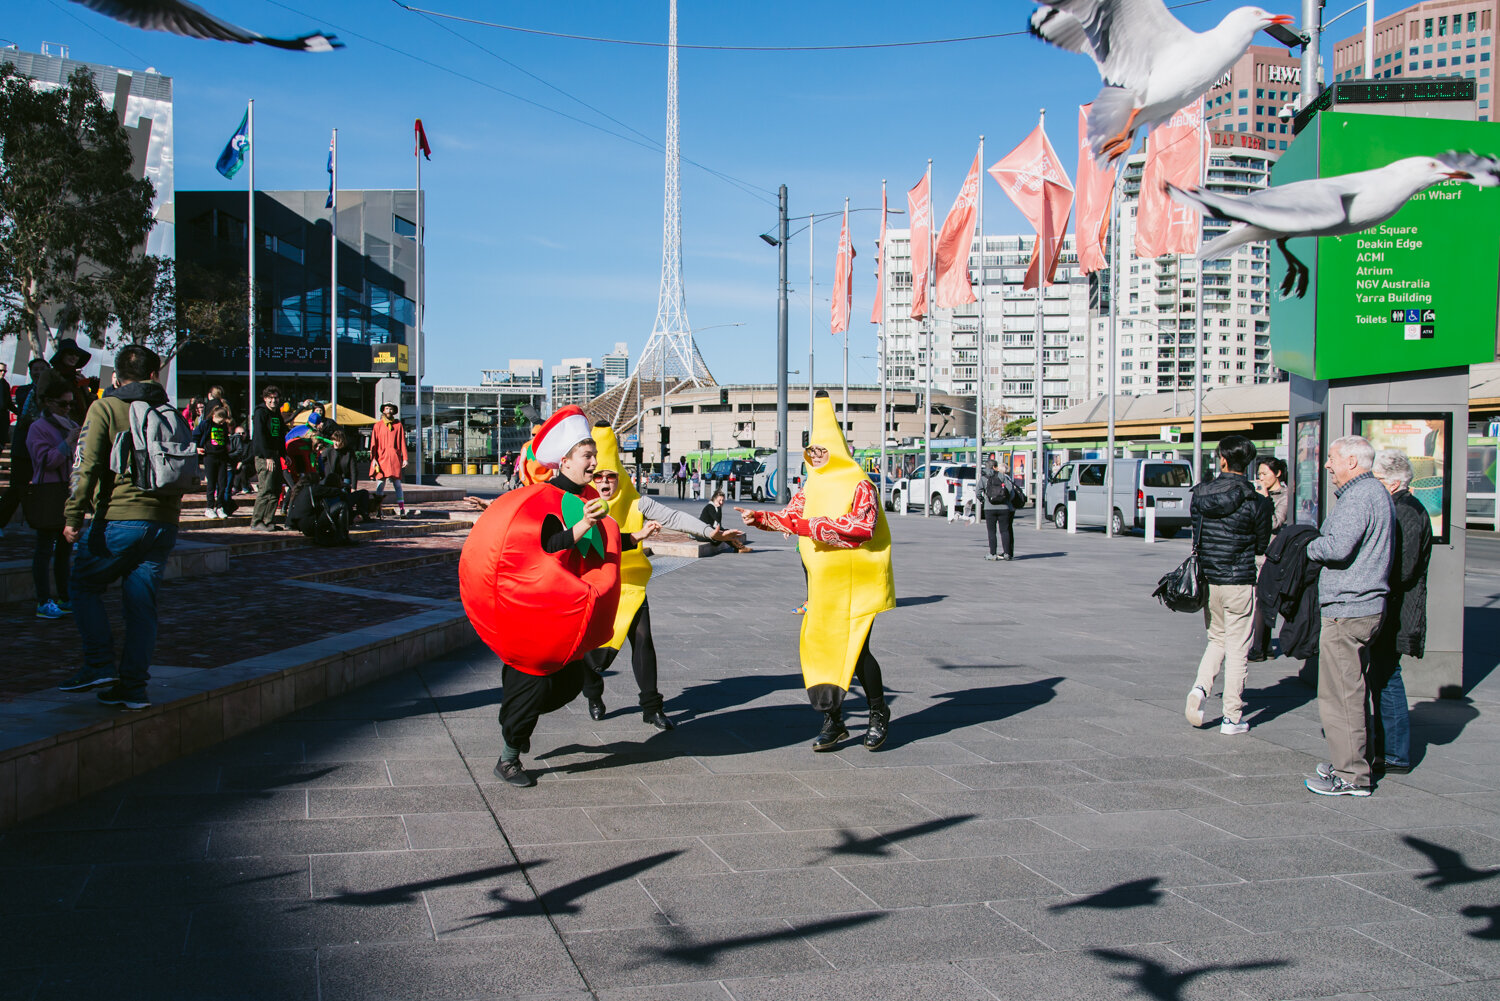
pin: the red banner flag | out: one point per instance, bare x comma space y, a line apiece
1175, 152
422, 146
879, 304
1096, 189
954, 242
1033, 177
843, 280
919, 205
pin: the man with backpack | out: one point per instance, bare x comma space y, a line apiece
1000, 496
135, 460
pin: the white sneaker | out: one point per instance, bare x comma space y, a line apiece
1227, 727
1194, 710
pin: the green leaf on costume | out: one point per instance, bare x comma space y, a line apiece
572, 511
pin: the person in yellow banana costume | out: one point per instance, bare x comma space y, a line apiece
846, 547
634, 514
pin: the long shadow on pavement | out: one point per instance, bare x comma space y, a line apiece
970, 706
1450, 868
704, 953
1155, 980
1136, 893
1286, 694
1439, 722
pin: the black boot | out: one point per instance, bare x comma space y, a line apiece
833, 731
875, 733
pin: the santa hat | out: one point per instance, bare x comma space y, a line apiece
564, 429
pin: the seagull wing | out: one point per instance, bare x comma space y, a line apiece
178, 17
1484, 168
1122, 36
1299, 207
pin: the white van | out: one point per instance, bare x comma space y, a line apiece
1168, 481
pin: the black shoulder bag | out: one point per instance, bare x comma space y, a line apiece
1182, 589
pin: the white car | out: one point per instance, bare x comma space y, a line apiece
763, 484
942, 487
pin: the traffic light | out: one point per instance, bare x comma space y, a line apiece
804, 439
640, 456
666, 436
723, 397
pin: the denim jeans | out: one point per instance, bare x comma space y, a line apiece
1389, 720
134, 553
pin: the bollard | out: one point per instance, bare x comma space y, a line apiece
1072, 512
1150, 520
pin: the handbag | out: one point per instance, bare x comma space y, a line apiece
43, 506
1182, 589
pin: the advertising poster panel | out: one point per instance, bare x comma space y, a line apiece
1426, 438
1307, 471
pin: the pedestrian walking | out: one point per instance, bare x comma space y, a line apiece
267, 448
388, 455
1000, 496
1232, 525
1403, 630
213, 446
27, 408
129, 537
50, 442
1270, 483
1354, 548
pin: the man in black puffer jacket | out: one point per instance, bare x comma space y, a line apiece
1233, 525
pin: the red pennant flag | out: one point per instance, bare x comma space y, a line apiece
919, 205
1096, 190
1033, 177
1175, 152
875, 310
843, 280
422, 146
954, 242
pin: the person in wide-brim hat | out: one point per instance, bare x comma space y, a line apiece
68, 348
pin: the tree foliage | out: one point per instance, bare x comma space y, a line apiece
1017, 427
73, 218
171, 305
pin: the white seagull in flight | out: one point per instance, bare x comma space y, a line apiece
1329, 206
1153, 65
178, 17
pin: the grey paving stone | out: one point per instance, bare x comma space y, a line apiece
1479, 991
1279, 858
1261, 761
999, 804
1006, 749
44, 888
874, 781
932, 751
946, 881
390, 801
165, 884
956, 837
529, 827
1251, 790
183, 809
1143, 768
744, 895
1109, 974
289, 975
1126, 797
424, 772
34, 848
282, 924
1310, 963
477, 912
1101, 870
1434, 897
1003, 775
710, 990
379, 749
727, 788
1063, 923
1130, 830
308, 837
286, 775
1286, 905
559, 792
1454, 944
1279, 820
377, 877
918, 981
797, 849
681, 954
44, 938
678, 819
1412, 808
453, 830
1428, 848
780, 759
832, 812
447, 969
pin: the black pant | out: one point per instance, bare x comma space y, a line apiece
830, 698
20, 475
527, 696
52, 548
642, 662
216, 480
1002, 519
681, 487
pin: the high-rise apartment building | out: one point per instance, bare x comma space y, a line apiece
617, 365
575, 381
1246, 99
1435, 38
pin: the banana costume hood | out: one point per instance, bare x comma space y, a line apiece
846, 588
625, 509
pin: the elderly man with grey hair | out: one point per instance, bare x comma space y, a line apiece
1404, 629
1354, 548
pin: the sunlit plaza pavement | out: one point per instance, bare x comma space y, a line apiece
1043, 823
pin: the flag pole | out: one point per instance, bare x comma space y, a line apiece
1109, 351
844, 414
880, 346
417, 155
1200, 327
811, 218
979, 386
333, 277
250, 241
1041, 266
927, 325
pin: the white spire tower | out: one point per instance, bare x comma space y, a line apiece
670, 354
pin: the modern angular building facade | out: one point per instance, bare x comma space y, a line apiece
377, 283
1436, 38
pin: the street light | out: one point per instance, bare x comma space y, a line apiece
779, 241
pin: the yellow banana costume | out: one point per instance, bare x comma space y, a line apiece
846, 588
625, 509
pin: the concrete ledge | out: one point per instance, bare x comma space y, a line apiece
188, 559
57, 747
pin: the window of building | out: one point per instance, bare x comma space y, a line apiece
1413, 67
1427, 64
1443, 25
1484, 104
1244, 92
1442, 46
1427, 28
1472, 22
1444, 62
404, 227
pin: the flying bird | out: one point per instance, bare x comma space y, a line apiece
178, 17
1329, 206
1153, 65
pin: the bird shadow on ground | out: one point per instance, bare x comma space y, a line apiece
926, 599
1123, 896
1439, 721
685, 950
881, 844
564, 899
1491, 933
406, 892
970, 706
1155, 980
1284, 695
1450, 868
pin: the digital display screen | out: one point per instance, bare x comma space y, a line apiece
1426, 438
1307, 471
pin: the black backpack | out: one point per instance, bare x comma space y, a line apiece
998, 489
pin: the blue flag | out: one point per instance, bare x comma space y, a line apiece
236, 150
329, 205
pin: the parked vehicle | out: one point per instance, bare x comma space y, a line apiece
1168, 482
764, 479
727, 474
939, 486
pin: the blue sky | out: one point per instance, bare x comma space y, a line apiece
544, 234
